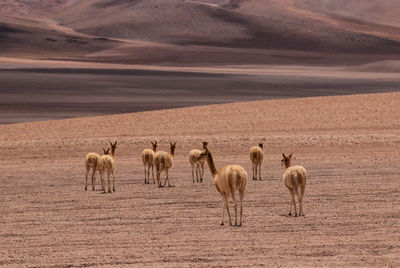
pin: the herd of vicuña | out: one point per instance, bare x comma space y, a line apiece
229, 180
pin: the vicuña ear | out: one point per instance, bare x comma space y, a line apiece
115, 143
290, 155
284, 156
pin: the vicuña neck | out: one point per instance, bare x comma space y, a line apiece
211, 164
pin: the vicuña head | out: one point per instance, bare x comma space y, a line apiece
106, 151
261, 144
113, 147
154, 146
173, 146
205, 143
286, 160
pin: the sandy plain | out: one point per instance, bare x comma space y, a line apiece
349, 145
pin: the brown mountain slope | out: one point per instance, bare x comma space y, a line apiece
20, 37
379, 11
30, 7
269, 24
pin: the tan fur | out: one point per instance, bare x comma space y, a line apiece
228, 180
107, 162
256, 157
148, 162
195, 160
91, 162
163, 162
294, 178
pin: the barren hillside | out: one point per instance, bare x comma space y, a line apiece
256, 24
379, 11
33, 38
181, 31
31, 7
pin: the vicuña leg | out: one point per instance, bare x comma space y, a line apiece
296, 192
102, 180
235, 206
192, 170
158, 171
223, 211
109, 182
166, 178
291, 201
254, 170
145, 173
148, 173
152, 173
198, 173
241, 195
87, 172
202, 172
93, 177
259, 170
227, 209
113, 175
225, 206
302, 188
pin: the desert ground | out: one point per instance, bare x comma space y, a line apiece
348, 144
319, 79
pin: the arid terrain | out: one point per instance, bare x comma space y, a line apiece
319, 79
349, 145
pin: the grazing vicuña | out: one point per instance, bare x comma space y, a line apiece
148, 162
92, 161
163, 162
294, 179
107, 162
228, 180
256, 157
194, 160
